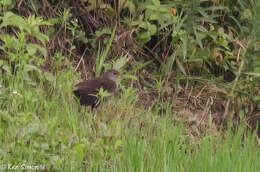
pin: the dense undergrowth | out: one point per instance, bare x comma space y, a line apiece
189, 94
46, 126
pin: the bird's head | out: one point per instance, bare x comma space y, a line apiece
112, 74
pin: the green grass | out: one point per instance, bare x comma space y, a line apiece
44, 124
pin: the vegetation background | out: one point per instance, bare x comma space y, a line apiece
189, 93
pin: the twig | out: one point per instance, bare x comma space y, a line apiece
81, 59
19, 4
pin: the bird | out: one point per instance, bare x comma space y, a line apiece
87, 91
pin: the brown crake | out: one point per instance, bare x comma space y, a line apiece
86, 90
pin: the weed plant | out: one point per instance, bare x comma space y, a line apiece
41, 122
47, 126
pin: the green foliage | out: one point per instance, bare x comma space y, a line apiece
6, 3
29, 27
184, 23
120, 63
102, 94
40, 126
101, 58
251, 57
115, 10
40, 121
19, 54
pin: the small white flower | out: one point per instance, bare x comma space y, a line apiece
14, 92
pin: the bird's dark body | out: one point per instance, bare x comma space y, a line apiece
87, 90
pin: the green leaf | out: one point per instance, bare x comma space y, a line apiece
131, 7
11, 19
30, 26
152, 28
168, 66
118, 144
126, 76
119, 63
49, 76
156, 2
102, 32
6, 2
42, 37
145, 35
103, 94
144, 25
45, 146
247, 15
10, 41
101, 60
7, 68
141, 66
256, 99
32, 49
29, 67
185, 45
